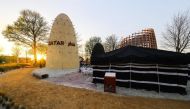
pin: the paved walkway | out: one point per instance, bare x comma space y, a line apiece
78, 80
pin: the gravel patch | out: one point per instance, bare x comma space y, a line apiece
83, 80
78, 80
53, 72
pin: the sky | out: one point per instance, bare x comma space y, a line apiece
97, 17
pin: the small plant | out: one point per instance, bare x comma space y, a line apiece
1, 99
7, 103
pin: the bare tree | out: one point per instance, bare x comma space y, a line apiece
177, 34
1, 49
80, 45
16, 51
29, 29
111, 43
42, 48
90, 44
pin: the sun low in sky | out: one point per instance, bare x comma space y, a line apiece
98, 17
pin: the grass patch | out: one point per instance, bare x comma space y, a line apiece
34, 93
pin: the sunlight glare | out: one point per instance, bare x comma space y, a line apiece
41, 56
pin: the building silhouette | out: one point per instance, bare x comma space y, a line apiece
146, 38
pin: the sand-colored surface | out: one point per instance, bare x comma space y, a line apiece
36, 94
62, 50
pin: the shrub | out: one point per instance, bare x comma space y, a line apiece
97, 51
11, 66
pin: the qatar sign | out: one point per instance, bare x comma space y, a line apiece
61, 43
62, 51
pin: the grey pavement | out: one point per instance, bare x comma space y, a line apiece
1, 107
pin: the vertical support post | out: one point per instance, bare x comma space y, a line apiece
158, 79
109, 67
188, 71
130, 75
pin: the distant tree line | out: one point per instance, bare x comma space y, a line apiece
111, 43
7, 59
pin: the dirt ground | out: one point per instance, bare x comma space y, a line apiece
33, 93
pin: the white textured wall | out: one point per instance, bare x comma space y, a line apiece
62, 56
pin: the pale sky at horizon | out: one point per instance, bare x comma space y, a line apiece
97, 17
